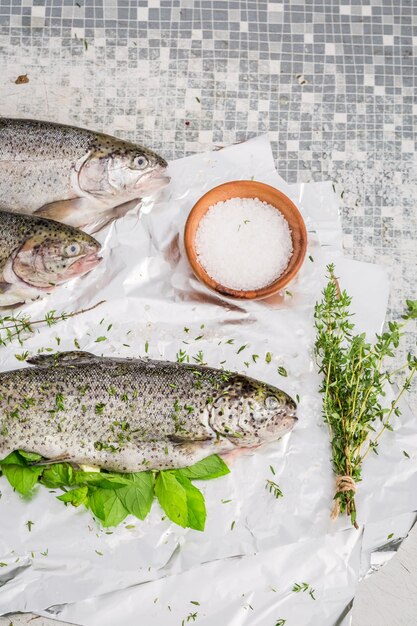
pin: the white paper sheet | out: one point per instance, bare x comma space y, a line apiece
254, 589
150, 296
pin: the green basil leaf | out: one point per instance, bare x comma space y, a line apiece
13, 458
22, 478
101, 479
195, 503
172, 497
109, 482
137, 497
112, 496
59, 475
30, 456
75, 496
105, 505
211, 467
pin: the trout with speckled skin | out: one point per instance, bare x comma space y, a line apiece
73, 175
131, 415
37, 254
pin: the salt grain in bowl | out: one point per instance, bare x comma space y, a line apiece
243, 243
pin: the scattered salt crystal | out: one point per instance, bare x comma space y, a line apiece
243, 243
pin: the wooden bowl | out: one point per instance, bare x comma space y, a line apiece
247, 189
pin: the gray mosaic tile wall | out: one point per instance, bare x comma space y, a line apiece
332, 81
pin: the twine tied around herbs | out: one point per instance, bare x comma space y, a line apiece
343, 485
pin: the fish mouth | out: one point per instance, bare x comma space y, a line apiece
153, 181
279, 425
82, 266
287, 423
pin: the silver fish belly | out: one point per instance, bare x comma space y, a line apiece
132, 415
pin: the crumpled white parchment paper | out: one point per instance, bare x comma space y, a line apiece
241, 570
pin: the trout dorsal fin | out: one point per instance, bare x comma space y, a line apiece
74, 357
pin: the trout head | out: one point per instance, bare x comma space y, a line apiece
52, 254
249, 412
121, 169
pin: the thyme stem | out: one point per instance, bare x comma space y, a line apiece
12, 327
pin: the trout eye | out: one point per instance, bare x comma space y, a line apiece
271, 403
73, 249
140, 162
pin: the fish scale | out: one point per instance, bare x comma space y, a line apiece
130, 415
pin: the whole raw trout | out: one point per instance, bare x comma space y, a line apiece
132, 415
73, 175
37, 254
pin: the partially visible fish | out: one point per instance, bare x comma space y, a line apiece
73, 175
37, 254
132, 415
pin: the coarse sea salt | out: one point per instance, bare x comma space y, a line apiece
243, 243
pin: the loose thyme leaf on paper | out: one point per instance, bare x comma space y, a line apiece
354, 387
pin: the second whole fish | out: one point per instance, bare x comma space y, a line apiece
73, 175
132, 415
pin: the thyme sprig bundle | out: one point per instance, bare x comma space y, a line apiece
354, 386
20, 327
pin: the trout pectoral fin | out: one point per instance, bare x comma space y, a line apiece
90, 213
62, 358
11, 297
112, 214
187, 438
57, 459
73, 212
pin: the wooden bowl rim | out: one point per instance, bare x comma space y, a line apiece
201, 207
